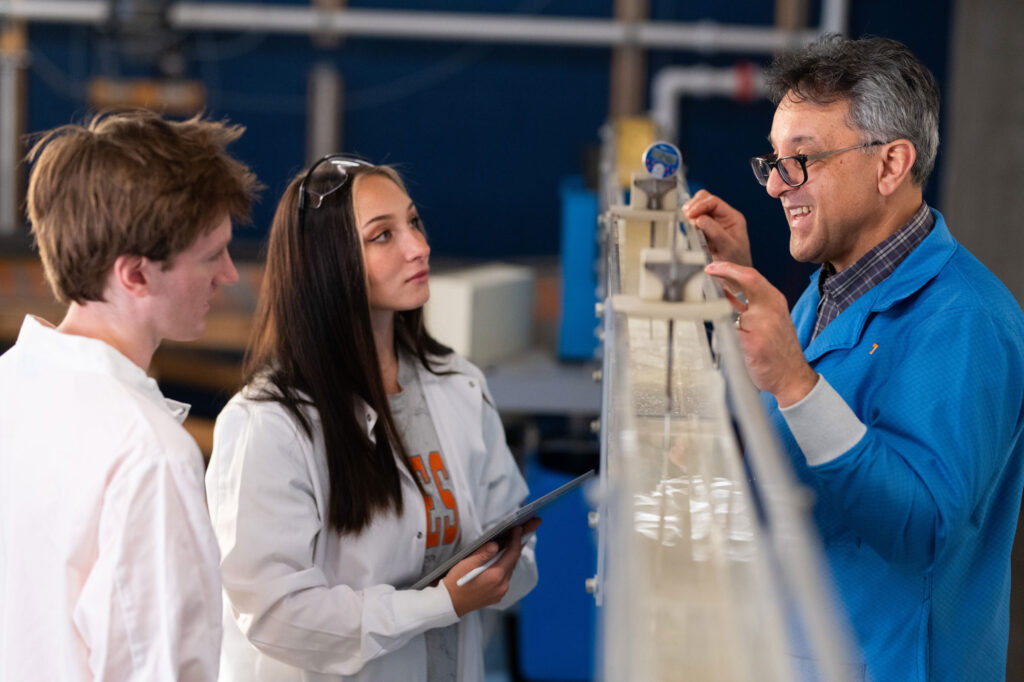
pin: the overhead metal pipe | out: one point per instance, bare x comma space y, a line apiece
56, 11
702, 36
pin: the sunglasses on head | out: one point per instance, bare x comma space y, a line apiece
336, 169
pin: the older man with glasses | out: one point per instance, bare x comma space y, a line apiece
897, 381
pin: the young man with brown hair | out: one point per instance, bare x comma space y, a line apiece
108, 564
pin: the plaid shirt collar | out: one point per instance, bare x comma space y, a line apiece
839, 290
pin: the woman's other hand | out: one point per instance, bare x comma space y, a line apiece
490, 586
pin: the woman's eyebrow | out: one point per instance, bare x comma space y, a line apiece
385, 216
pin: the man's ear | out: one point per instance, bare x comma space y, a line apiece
131, 275
897, 158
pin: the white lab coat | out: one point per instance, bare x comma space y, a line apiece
306, 603
108, 564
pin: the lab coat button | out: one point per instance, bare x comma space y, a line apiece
472, 385
419, 534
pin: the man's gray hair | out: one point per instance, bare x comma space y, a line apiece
892, 95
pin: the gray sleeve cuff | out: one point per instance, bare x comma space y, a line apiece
823, 424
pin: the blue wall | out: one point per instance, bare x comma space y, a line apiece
484, 133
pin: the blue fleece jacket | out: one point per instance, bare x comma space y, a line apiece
918, 517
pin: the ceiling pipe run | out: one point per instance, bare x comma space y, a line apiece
704, 36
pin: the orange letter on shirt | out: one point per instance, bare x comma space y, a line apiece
433, 529
451, 526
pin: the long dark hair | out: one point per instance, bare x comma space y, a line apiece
312, 346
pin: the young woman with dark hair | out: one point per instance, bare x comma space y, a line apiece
360, 454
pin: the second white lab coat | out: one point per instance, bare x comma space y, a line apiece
306, 603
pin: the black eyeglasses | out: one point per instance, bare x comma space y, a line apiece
338, 170
793, 169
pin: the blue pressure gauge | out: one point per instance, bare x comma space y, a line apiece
662, 159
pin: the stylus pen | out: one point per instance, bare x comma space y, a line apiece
487, 564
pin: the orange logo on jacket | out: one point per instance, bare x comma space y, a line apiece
442, 524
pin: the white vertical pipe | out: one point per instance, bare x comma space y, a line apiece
323, 123
10, 63
835, 16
